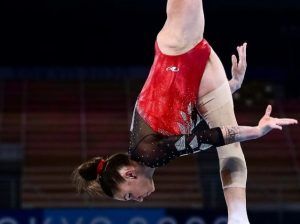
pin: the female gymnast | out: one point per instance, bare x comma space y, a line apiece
187, 84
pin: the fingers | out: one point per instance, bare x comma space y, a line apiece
277, 127
234, 60
286, 121
245, 49
268, 111
242, 51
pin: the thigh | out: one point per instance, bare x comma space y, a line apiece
183, 28
217, 109
213, 77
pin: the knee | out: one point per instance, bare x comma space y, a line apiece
233, 172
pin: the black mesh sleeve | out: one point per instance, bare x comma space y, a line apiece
156, 150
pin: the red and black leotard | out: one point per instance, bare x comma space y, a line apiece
165, 123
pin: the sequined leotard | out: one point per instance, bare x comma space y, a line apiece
171, 90
165, 124
154, 149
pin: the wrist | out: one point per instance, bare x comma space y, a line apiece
234, 85
257, 132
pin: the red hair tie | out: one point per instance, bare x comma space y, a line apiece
100, 166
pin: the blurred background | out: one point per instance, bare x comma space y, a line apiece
70, 72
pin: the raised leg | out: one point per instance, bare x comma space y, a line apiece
183, 28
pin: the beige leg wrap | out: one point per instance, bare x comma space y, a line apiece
217, 109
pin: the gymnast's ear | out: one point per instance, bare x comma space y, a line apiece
128, 172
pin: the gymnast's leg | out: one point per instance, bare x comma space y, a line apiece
216, 106
217, 109
183, 29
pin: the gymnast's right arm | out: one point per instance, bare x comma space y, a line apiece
156, 150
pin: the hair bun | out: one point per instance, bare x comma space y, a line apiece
88, 170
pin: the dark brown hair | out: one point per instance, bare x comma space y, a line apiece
87, 180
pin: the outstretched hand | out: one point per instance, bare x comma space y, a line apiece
268, 123
238, 69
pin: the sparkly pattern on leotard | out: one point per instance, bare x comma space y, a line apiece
154, 149
165, 123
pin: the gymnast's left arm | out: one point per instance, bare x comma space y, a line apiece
265, 125
157, 150
187, 144
238, 68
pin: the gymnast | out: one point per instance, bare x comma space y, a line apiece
186, 89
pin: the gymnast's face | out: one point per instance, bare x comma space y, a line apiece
138, 184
